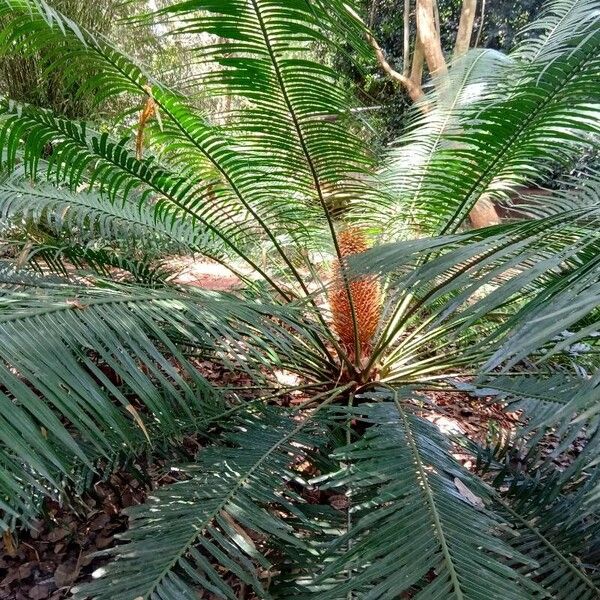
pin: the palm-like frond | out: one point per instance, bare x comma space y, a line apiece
89, 229
550, 30
89, 216
14, 278
435, 118
414, 512
73, 359
546, 102
219, 520
502, 288
90, 370
297, 152
575, 192
203, 184
560, 537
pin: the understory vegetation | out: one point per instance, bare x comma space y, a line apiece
364, 291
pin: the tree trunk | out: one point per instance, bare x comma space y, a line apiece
465, 27
416, 71
429, 38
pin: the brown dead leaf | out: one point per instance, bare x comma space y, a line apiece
339, 502
60, 533
103, 541
24, 255
10, 546
66, 574
149, 110
468, 495
41, 591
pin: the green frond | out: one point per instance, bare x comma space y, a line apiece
433, 119
88, 230
553, 27
294, 149
542, 116
546, 400
73, 259
87, 215
14, 278
550, 406
294, 128
575, 192
415, 512
73, 357
561, 535
219, 521
499, 289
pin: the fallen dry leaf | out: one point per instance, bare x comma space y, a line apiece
468, 495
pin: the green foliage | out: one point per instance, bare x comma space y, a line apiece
91, 369
405, 483
229, 489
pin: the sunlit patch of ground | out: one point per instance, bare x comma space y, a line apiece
204, 274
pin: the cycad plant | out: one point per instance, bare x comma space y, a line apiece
373, 298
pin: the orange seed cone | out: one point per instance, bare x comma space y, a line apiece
366, 297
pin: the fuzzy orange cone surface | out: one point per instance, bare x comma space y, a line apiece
366, 298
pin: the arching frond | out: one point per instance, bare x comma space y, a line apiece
553, 27
575, 192
86, 229
217, 522
414, 512
88, 215
501, 288
542, 116
85, 371
434, 119
561, 537
13, 278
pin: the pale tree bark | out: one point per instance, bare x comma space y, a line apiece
416, 71
465, 27
429, 38
372, 13
481, 21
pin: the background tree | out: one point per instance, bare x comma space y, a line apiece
493, 24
